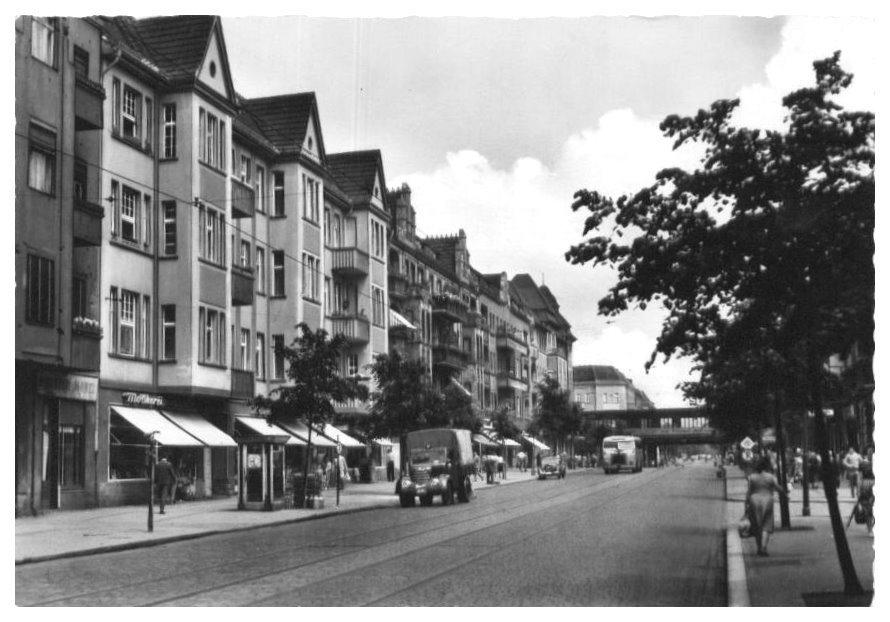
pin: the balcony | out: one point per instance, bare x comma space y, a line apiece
86, 335
87, 223
355, 328
350, 262
242, 384
449, 356
510, 381
449, 308
88, 98
352, 406
243, 200
242, 286
510, 339
474, 319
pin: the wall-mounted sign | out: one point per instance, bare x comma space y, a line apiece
142, 399
68, 386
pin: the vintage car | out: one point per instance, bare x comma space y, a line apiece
552, 467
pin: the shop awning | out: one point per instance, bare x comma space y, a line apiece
397, 319
333, 433
509, 442
481, 439
148, 421
461, 387
200, 428
536, 443
299, 429
383, 442
261, 427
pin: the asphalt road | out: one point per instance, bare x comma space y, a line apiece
648, 539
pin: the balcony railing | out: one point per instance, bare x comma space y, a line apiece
355, 328
350, 262
243, 200
87, 224
88, 98
507, 338
242, 286
449, 356
85, 341
356, 406
449, 308
509, 380
242, 384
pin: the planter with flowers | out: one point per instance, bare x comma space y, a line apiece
86, 326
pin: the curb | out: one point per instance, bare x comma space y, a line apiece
737, 594
113, 548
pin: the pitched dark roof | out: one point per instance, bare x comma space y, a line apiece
542, 305
355, 172
175, 44
597, 373
283, 119
444, 247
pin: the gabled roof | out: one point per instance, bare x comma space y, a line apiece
444, 247
356, 172
598, 373
284, 120
175, 44
542, 304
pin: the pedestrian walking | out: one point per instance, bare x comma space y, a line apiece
813, 464
477, 467
522, 458
390, 466
759, 503
344, 472
165, 479
851, 466
538, 460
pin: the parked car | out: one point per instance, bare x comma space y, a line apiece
552, 467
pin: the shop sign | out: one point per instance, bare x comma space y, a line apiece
68, 386
142, 399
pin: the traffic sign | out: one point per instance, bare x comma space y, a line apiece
748, 455
747, 444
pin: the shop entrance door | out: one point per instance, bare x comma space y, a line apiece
50, 446
254, 476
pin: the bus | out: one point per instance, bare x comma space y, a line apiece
622, 452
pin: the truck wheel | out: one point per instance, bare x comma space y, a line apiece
448, 496
426, 500
406, 501
465, 492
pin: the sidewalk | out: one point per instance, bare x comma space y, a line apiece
802, 568
72, 533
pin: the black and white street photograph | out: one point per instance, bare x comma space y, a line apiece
446, 305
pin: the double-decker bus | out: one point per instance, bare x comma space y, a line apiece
622, 452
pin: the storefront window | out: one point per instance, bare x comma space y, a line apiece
71, 456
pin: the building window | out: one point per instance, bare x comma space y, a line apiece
131, 219
244, 256
41, 278
278, 359
168, 332
327, 295
129, 209
278, 273
277, 193
327, 226
130, 324
351, 364
260, 270
244, 350
378, 314
213, 336
311, 266
127, 324
310, 199
169, 211
245, 170
211, 223
43, 39
260, 362
131, 113
260, 189
169, 131
336, 235
378, 239
79, 304
212, 140
71, 456
81, 63
42, 159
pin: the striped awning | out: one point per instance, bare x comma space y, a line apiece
397, 319
535, 442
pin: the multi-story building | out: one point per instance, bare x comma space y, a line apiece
225, 225
58, 230
600, 388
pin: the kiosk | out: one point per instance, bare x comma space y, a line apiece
261, 468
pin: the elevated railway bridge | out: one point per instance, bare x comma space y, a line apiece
664, 431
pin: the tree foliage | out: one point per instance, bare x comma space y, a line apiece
503, 425
314, 381
457, 410
553, 416
762, 257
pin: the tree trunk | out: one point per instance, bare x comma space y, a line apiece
783, 467
306, 462
851, 581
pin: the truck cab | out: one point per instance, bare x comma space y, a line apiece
440, 463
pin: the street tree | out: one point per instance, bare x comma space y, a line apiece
457, 410
553, 411
774, 230
404, 401
314, 385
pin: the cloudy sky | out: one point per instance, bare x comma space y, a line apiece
496, 122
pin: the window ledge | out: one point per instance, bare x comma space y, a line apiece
314, 223
166, 361
277, 216
311, 300
124, 357
136, 247
213, 365
135, 143
165, 160
169, 257
277, 296
212, 264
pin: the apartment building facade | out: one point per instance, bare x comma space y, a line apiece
217, 239
599, 388
58, 221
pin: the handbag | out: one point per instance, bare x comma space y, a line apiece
744, 527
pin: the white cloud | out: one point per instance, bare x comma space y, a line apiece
804, 40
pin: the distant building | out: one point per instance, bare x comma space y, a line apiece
600, 388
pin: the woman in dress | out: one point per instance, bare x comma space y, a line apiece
761, 485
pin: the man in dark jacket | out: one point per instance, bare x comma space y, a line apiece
165, 477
